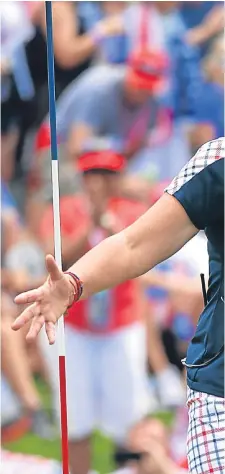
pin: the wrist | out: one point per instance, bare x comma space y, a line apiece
75, 288
70, 290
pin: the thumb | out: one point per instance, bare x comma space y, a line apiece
52, 268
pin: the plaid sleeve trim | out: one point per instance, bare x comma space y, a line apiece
205, 156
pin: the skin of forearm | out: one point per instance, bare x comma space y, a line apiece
77, 51
213, 24
137, 249
214, 21
70, 49
16, 369
109, 257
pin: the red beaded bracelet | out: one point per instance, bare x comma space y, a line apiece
78, 287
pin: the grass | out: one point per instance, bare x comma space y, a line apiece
32, 444
102, 447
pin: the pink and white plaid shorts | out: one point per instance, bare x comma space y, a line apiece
206, 433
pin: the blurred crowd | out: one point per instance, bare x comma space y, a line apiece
139, 88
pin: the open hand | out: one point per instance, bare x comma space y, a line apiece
46, 304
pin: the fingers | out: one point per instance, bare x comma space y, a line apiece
24, 317
50, 331
53, 269
36, 325
29, 297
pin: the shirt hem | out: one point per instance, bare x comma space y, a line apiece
204, 388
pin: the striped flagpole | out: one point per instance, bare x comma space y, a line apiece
57, 234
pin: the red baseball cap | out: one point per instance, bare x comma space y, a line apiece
105, 160
147, 69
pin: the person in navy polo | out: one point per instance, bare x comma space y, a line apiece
194, 201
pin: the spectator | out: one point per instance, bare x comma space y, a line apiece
99, 329
159, 25
163, 22
82, 29
23, 263
106, 107
15, 366
17, 87
79, 30
150, 454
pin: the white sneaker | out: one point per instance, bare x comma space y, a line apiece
170, 388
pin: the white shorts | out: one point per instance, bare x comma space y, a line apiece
107, 380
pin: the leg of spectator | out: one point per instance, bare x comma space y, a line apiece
80, 456
169, 384
156, 353
124, 382
16, 367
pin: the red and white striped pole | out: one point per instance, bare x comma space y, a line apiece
57, 233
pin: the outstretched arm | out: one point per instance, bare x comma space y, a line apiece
154, 237
194, 201
157, 235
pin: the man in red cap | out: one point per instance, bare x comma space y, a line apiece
107, 107
106, 350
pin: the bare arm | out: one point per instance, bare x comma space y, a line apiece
15, 364
212, 24
153, 238
70, 48
157, 235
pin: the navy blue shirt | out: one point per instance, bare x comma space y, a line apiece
199, 187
